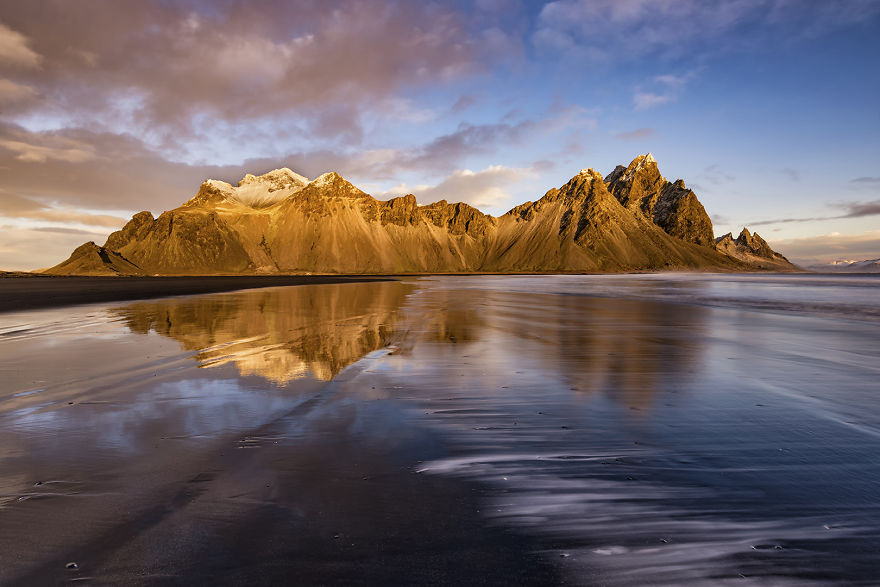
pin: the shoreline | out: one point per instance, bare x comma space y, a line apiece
35, 291
32, 291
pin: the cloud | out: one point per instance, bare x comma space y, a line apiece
176, 66
481, 189
24, 249
65, 230
673, 81
790, 220
664, 89
11, 92
15, 50
614, 30
52, 147
849, 209
792, 174
14, 206
636, 135
830, 247
645, 100
715, 175
868, 180
859, 209
463, 104
78, 168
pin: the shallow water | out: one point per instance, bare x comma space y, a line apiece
615, 430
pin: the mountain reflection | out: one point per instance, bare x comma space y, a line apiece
280, 334
627, 350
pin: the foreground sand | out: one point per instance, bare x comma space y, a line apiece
613, 430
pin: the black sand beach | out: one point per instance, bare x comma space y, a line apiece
19, 292
612, 430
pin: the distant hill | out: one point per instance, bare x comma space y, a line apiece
868, 266
281, 222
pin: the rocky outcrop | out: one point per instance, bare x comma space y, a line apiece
280, 222
583, 227
753, 250
91, 259
671, 206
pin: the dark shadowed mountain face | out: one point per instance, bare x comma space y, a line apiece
280, 222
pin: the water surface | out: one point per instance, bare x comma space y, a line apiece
616, 430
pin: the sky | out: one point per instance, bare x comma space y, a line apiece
768, 109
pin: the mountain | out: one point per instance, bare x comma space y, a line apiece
848, 266
280, 222
753, 250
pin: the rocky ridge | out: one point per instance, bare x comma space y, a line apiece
753, 250
280, 222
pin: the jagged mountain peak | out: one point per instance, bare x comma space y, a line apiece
589, 172
641, 163
331, 184
281, 178
253, 191
751, 248
327, 178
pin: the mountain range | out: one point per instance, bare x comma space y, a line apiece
848, 266
633, 219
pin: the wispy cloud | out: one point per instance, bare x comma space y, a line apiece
859, 209
716, 175
645, 100
14, 206
792, 174
65, 230
635, 135
481, 189
849, 209
868, 180
661, 89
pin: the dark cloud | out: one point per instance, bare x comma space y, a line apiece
849, 209
100, 170
166, 64
636, 135
859, 209
789, 220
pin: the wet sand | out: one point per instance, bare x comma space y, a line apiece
697, 430
20, 292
